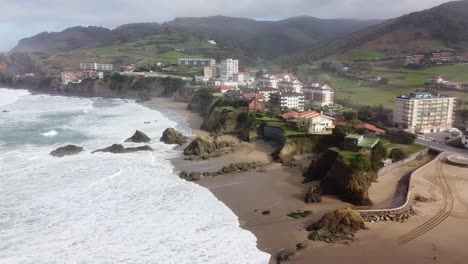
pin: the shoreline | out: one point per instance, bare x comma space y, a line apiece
279, 189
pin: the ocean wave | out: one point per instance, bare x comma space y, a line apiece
8, 96
51, 133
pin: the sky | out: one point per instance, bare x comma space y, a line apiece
25, 18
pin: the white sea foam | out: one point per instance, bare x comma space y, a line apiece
51, 133
105, 208
10, 96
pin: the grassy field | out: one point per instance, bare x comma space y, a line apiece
400, 82
407, 149
366, 55
348, 156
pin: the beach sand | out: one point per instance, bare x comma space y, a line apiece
280, 190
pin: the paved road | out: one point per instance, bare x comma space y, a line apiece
155, 74
441, 147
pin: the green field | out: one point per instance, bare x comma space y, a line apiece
348, 156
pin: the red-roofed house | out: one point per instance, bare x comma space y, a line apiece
225, 88
311, 121
256, 106
250, 96
371, 128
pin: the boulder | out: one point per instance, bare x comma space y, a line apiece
285, 256
139, 137
337, 226
66, 151
172, 136
194, 176
299, 214
314, 195
119, 149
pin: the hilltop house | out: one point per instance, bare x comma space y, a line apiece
256, 106
356, 142
311, 121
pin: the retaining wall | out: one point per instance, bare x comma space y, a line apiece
400, 163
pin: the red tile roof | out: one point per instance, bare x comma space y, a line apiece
370, 128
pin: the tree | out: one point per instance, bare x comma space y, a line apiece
379, 153
339, 133
361, 163
365, 114
397, 154
349, 115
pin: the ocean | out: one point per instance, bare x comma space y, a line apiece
104, 208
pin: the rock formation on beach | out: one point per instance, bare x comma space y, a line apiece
314, 195
206, 146
119, 149
66, 151
337, 226
173, 136
230, 169
139, 137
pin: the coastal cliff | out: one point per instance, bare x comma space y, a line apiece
337, 177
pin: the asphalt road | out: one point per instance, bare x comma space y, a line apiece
441, 147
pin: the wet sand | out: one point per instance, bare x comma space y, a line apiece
280, 190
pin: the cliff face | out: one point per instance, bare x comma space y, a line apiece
300, 146
228, 121
340, 179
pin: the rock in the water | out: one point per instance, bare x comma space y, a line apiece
5, 111
66, 151
172, 136
119, 149
139, 137
337, 226
314, 195
194, 176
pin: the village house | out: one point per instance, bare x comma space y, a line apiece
370, 128
291, 85
416, 59
319, 95
268, 81
256, 106
78, 76
93, 66
356, 142
311, 122
288, 100
128, 68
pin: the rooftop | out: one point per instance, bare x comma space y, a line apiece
422, 95
368, 143
354, 136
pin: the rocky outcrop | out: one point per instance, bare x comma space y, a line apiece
66, 151
207, 146
299, 214
172, 136
285, 256
294, 147
231, 168
337, 226
388, 216
119, 149
194, 176
314, 195
338, 178
139, 137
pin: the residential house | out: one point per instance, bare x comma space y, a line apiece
128, 68
256, 106
290, 85
268, 81
370, 128
241, 77
224, 88
453, 85
319, 95
288, 100
356, 142
438, 80
212, 71
311, 121
266, 93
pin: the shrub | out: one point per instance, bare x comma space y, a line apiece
397, 154
361, 163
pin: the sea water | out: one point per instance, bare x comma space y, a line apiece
103, 208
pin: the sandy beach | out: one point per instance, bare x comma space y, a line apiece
279, 189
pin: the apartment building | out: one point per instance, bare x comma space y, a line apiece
424, 112
212, 72
190, 62
228, 68
288, 100
93, 66
319, 95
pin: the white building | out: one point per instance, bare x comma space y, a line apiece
228, 68
93, 66
268, 81
266, 93
319, 95
311, 121
241, 77
424, 112
291, 86
190, 62
288, 100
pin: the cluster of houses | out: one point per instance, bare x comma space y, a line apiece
88, 70
439, 81
435, 57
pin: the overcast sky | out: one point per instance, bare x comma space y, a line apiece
24, 18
